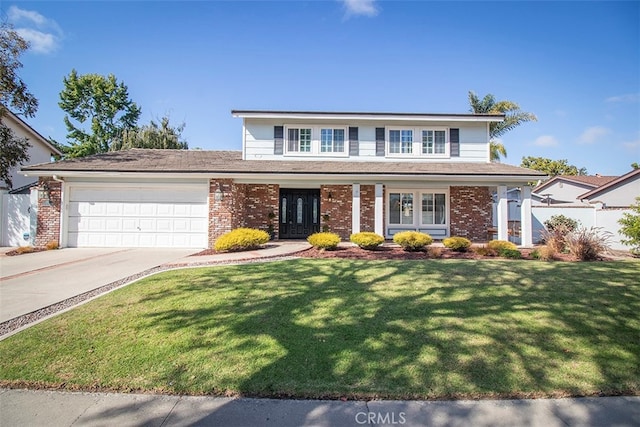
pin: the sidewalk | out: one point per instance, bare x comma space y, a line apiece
51, 408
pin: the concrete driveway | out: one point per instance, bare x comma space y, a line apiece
33, 281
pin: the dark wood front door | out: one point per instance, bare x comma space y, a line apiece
299, 213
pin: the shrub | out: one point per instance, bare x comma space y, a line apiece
498, 245
555, 239
630, 223
367, 240
561, 222
241, 239
324, 240
587, 244
412, 240
434, 252
51, 245
457, 243
510, 253
484, 251
544, 253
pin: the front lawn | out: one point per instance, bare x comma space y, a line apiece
345, 328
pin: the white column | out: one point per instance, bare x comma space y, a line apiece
526, 233
503, 213
355, 208
3, 215
378, 212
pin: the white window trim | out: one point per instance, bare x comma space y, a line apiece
417, 143
315, 141
417, 209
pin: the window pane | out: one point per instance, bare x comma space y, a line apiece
394, 141
440, 139
407, 141
407, 208
326, 140
315, 210
293, 140
427, 142
427, 209
283, 209
338, 140
305, 140
299, 212
440, 209
394, 208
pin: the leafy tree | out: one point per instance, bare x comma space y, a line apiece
15, 96
152, 136
514, 117
635, 165
551, 167
630, 223
100, 103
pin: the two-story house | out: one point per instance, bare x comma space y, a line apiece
298, 173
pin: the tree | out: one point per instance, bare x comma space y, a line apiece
152, 136
514, 117
635, 165
551, 167
630, 223
103, 104
15, 96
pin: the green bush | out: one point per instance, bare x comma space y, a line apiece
412, 241
510, 253
561, 222
457, 243
324, 240
630, 227
241, 239
498, 245
367, 240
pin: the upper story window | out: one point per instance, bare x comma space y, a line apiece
427, 143
316, 140
332, 140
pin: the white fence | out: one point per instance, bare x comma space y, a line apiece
17, 219
588, 216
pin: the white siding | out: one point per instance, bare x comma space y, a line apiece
258, 140
620, 195
565, 192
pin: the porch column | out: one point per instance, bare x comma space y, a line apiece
526, 233
355, 208
503, 213
378, 211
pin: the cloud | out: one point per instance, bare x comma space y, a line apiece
626, 98
593, 134
360, 7
546, 141
632, 145
43, 34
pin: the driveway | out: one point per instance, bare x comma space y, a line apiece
33, 281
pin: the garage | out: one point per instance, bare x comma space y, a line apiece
137, 215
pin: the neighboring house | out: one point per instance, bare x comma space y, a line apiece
566, 189
620, 192
297, 173
17, 205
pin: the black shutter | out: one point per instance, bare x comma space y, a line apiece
278, 139
379, 141
354, 145
454, 139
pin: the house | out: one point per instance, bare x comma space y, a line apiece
298, 173
17, 204
566, 189
620, 192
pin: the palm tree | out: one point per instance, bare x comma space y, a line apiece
513, 117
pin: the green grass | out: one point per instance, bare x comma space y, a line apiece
332, 328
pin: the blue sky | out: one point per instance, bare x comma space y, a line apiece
576, 65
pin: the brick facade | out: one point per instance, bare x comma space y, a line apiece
471, 212
48, 227
367, 207
262, 200
336, 202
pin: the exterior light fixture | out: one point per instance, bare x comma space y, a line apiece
44, 194
218, 195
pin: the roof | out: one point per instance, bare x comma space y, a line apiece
610, 184
279, 114
229, 162
40, 138
593, 181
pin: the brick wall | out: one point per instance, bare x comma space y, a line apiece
367, 207
228, 213
48, 228
338, 207
262, 199
471, 212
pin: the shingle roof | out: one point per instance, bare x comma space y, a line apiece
197, 161
611, 183
593, 181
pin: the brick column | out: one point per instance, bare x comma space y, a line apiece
335, 201
367, 207
470, 212
228, 213
48, 219
261, 201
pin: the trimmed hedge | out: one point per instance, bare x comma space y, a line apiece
457, 243
412, 241
367, 240
324, 240
498, 245
241, 239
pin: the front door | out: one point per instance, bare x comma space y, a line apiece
299, 213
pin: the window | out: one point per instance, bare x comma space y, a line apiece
299, 140
401, 208
433, 141
433, 209
401, 141
332, 140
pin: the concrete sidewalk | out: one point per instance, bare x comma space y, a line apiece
51, 408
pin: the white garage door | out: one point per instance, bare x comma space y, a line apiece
138, 216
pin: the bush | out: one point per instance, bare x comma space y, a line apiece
557, 229
510, 253
51, 245
241, 239
498, 245
412, 241
587, 244
484, 251
630, 223
456, 243
434, 252
324, 240
367, 240
544, 253
561, 222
